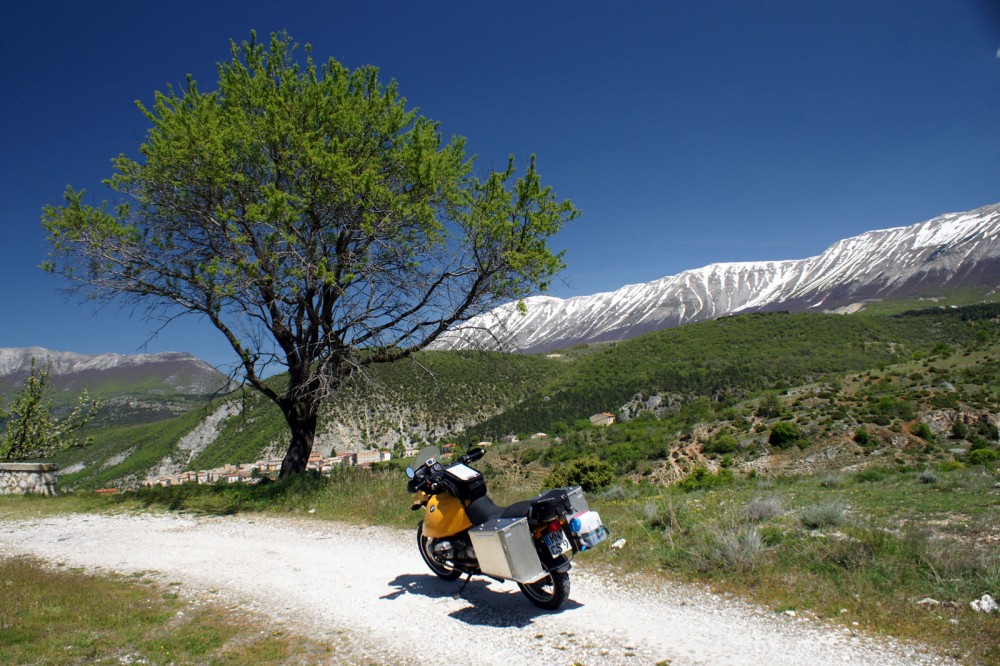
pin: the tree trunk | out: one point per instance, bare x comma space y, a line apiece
303, 429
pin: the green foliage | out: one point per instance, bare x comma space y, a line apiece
722, 442
822, 515
871, 475
861, 436
769, 406
589, 472
312, 194
923, 431
983, 456
784, 434
29, 428
702, 479
55, 616
735, 358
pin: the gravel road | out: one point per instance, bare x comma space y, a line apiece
366, 590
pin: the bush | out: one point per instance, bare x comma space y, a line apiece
784, 434
769, 406
722, 443
871, 475
923, 431
983, 456
927, 476
763, 508
862, 437
740, 548
822, 515
702, 479
589, 472
980, 442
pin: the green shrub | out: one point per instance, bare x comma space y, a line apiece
722, 443
871, 475
589, 472
702, 479
822, 515
862, 437
983, 456
763, 508
923, 431
784, 434
980, 442
740, 548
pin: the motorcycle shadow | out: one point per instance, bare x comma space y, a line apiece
487, 606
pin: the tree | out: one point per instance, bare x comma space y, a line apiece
30, 430
316, 221
784, 434
588, 472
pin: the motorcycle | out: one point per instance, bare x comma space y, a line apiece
532, 542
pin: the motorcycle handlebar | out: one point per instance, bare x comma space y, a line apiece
473, 455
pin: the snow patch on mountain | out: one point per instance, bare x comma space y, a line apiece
16, 360
950, 250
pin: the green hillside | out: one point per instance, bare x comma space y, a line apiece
734, 374
728, 359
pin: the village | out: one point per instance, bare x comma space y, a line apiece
269, 468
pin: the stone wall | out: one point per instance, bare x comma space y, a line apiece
23, 478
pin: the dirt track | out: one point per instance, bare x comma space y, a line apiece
367, 591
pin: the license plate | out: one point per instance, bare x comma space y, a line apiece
557, 543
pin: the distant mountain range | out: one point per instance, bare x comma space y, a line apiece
949, 251
136, 387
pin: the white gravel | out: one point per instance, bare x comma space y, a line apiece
366, 589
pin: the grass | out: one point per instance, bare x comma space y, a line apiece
862, 550
66, 617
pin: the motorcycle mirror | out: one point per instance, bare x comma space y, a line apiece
409, 472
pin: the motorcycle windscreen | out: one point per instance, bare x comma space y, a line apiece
444, 516
426, 454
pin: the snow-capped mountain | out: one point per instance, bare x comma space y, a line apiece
957, 249
173, 372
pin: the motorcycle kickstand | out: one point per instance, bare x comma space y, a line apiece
468, 577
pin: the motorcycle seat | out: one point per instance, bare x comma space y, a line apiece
483, 509
543, 507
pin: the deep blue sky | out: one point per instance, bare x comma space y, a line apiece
687, 132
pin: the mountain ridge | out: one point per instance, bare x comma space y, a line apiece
950, 250
17, 360
131, 387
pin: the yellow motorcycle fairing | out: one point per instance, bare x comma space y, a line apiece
445, 516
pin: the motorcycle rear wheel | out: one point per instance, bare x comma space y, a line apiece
424, 546
549, 592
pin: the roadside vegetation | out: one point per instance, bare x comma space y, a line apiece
844, 468
888, 550
54, 616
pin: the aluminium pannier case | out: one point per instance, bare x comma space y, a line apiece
505, 550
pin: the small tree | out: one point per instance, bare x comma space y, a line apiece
589, 472
316, 221
784, 434
30, 430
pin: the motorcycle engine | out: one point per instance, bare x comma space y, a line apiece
455, 549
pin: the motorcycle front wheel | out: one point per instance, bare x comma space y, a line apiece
549, 592
424, 546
